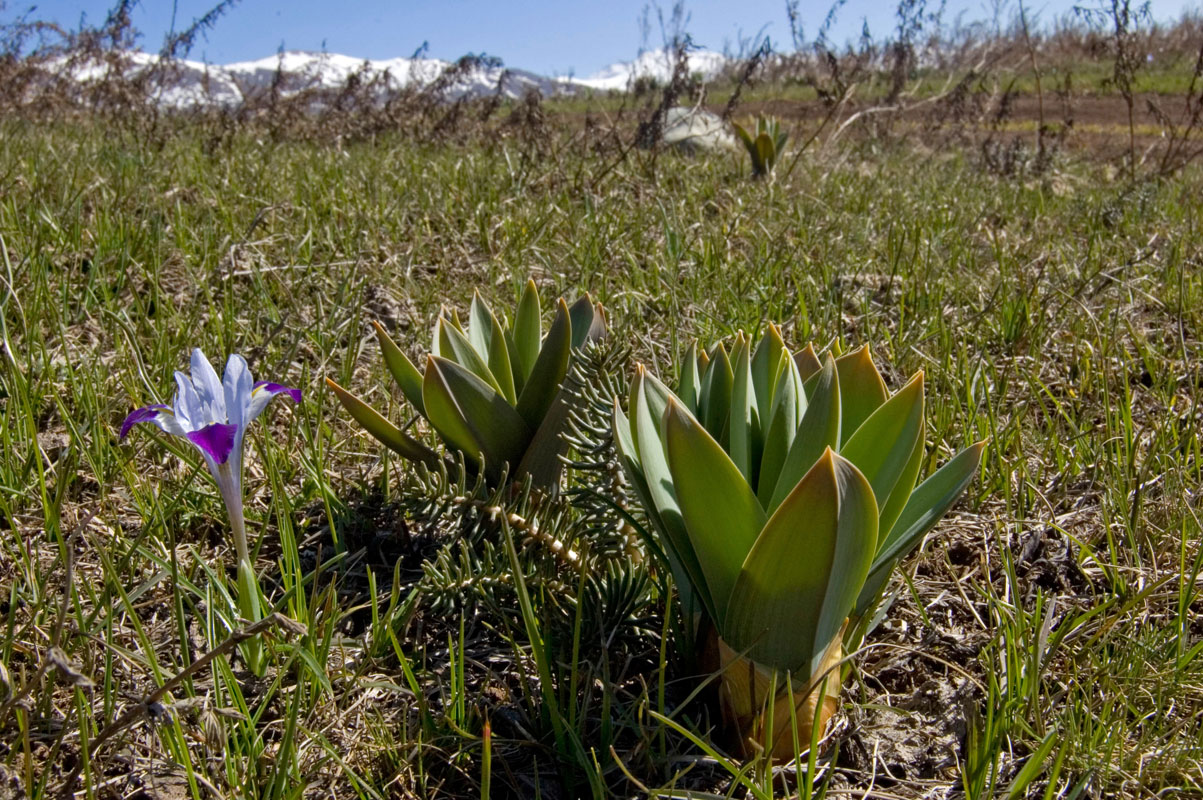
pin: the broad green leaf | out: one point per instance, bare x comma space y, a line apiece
467, 410
440, 346
927, 505
745, 416
480, 325
744, 136
460, 350
512, 348
766, 368
929, 502
403, 370
722, 516
765, 151
381, 429
499, 362
488, 339
668, 544
690, 379
527, 331
861, 390
802, 576
714, 400
542, 458
549, 370
624, 443
808, 362
445, 415
649, 400
789, 405
901, 493
438, 340
884, 445
587, 321
749, 142
819, 429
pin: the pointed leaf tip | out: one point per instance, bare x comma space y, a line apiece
381, 429
402, 369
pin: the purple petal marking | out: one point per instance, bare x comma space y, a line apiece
144, 414
276, 388
216, 440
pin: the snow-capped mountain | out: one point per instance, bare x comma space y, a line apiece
187, 84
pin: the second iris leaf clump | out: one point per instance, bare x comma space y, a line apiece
492, 391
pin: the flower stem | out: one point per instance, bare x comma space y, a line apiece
231, 492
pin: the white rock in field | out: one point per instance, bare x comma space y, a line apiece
691, 129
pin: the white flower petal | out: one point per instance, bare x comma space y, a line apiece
237, 385
167, 422
208, 387
187, 405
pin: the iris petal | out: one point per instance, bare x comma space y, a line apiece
208, 388
215, 440
144, 414
262, 395
187, 404
237, 385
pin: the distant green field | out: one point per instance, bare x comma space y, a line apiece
1046, 642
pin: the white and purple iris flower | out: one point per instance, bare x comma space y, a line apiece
214, 414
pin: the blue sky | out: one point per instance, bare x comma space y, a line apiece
553, 37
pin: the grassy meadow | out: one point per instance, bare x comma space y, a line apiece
1046, 641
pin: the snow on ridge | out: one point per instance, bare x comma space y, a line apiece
186, 84
655, 64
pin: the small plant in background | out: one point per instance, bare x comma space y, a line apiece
783, 491
492, 391
764, 144
213, 415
